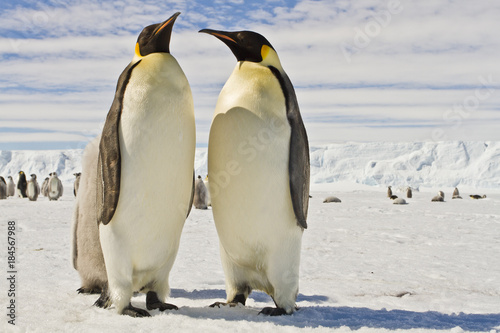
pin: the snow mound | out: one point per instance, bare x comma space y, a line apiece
427, 164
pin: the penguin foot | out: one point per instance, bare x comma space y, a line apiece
135, 312
240, 298
84, 290
153, 302
269, 311
104, 301
219, 304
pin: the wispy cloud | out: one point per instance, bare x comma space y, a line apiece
363, 70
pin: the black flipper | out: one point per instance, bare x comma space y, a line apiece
109, 162
298, 163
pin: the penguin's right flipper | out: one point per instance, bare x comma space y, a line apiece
109, 162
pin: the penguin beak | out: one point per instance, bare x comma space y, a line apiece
222, 35
166, 27
231, 40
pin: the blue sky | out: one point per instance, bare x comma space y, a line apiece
373, 70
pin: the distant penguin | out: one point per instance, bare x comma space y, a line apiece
477, 196
456, 194
45, 187
21, 185
33, 189
200, 194
389, 191
409, 193
55, 187
439, 197
258, 162
209, 200
3, 188
76, 184
11, 187
399, 201
331, 199
86, 250
149, 130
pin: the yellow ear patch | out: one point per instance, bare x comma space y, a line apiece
264, 51
138, 50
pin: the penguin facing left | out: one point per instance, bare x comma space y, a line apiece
149, 130
33, 189
11, 187
258, 162
21, 185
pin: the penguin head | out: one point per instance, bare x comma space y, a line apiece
248, 46
21, 172
33, 176
155, 38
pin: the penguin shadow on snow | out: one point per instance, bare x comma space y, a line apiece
335, 317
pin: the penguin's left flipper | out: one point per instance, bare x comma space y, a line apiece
298, 161
153, 302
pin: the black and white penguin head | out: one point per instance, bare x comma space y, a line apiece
155, 38
248, 46
33, 176
9, 178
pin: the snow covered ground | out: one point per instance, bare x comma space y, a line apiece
367, 265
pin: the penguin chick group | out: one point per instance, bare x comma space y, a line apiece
139, 231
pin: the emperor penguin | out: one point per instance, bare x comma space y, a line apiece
409, 193
439, 197
86, 250
33, 189
54, 187
258, 162
11, 187
21, 185
45, 187
389, 191
3, 188
149, 130
76, 184
209, 200
200, 194
456, 194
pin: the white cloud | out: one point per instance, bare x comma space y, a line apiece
409, 70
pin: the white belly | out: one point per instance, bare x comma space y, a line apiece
248, 167
157, 142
